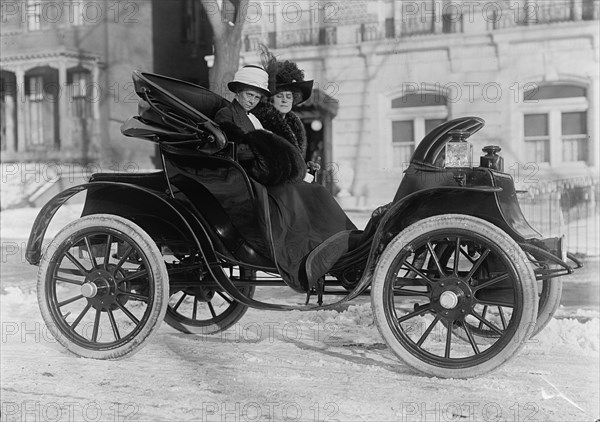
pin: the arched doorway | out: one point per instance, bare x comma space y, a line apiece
317, 114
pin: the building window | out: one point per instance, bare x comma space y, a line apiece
35, 97
41, 118
79, 84
421, 22
425, 99
574, 136
555, 128
537, 138
403, 141
452, 19
80, 104
390, 28
412, 117
553, 91
590, 9
33, 13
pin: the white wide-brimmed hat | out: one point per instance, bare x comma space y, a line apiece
250, 76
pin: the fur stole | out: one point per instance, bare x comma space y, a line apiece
289, 127
267, 158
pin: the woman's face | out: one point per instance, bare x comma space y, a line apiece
283, 101
248, 98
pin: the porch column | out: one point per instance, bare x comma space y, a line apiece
21, 99
65, 142
438, 17
577, 10
94, 97
10, 104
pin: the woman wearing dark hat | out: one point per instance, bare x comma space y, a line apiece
303, 215
289, 89
268, 158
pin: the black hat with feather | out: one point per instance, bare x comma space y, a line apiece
285, 76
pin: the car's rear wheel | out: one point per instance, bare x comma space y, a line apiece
414, 302
103, 287
201, 310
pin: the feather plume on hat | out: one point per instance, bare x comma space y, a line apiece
285, 76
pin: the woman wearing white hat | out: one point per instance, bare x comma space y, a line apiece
267, 157
302, 215
249, 84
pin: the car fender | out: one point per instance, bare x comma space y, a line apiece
173, 215
485, 202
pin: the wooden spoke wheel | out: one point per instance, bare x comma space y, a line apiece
417, 293
102, 287
200, 310
549, 294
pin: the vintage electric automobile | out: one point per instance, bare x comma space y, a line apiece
458, 279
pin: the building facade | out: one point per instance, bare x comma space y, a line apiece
66, 87
397, 68
385, 71
65, 77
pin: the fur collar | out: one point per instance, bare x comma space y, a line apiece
267, 157
289, 127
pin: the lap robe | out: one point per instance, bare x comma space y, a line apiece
303, 216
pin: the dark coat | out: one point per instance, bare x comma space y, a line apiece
289, 126
266, 157
301, 215
235, 114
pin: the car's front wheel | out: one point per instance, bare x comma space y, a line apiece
421, 299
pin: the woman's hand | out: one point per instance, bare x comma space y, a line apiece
244, 153
313, 167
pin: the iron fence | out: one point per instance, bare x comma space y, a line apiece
569, 207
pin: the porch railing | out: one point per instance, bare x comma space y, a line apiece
294, 38
544, 12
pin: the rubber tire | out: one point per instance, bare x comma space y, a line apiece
495, 235
211, 328
550, 296
157, 266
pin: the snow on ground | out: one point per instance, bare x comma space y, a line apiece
275, 366
310, 366
17, 223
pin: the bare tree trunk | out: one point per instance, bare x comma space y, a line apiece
227, 59
227, 24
